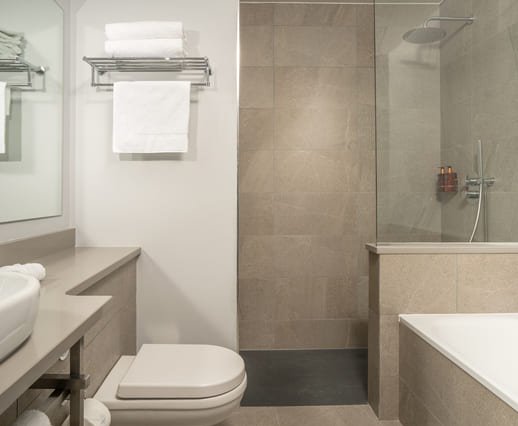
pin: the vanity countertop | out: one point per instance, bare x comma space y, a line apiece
63, 317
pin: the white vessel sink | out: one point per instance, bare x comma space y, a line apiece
19, 297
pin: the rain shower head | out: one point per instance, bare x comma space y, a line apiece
427, 34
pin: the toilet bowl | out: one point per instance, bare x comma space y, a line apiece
174, 385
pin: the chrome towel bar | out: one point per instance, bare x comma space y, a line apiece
17, 64
198, 69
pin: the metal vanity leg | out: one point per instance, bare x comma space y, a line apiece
76, 393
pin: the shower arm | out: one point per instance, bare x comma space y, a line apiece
467, 20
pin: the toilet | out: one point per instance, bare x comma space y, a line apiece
174, 385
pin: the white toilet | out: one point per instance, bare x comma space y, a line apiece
174, 385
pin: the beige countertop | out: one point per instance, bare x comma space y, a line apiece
63, 317
444, 248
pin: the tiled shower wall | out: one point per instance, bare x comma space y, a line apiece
479, 78
307, 174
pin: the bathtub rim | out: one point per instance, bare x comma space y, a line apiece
454, 356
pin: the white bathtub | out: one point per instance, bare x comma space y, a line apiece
483, 345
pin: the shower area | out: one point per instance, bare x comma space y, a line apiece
446, 101
306, 200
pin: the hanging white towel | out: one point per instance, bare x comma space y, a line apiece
156, 48
3, 113
151, 116
32, 418
144, 30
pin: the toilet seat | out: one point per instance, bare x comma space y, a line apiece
107, 394
181, 372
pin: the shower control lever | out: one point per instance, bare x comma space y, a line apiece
489, 181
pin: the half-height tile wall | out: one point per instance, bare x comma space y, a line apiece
307, 174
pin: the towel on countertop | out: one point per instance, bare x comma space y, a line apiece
35, 270
32, 418
144, 30
4, 94
151, 116
156, 48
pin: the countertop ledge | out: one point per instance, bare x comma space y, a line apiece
63, 316
443, 248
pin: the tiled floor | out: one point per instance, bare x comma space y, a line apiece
350, 415
302, 378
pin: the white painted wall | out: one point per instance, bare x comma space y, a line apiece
182, 210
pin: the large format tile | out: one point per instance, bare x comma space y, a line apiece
308, 213
256, 171
314, 14
256, 46
310, 171
256, 14
315, 87
315, 46
417, 284
487, 283
256, 87
256, 128
256, 214
314, 128
253, 416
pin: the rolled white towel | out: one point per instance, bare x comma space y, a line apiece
157, 48
32, 418
96, 414
144, 30
35, 270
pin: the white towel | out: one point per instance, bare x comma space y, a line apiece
35, 270
32, 418
151, 116
3, 113
156, 48
96, 414
144, 30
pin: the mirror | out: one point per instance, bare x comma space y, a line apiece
31, 109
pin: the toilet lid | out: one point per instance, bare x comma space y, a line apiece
182, 371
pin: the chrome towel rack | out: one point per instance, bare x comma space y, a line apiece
198, 69
17, 64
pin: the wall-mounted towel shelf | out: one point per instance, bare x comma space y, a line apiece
197, 69
14, 65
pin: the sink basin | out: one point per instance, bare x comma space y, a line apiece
19, 297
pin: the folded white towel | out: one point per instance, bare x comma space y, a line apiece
96, 414
157, 48
10, 50
35, 270
32, 418
151, 116
144, 30
4, 92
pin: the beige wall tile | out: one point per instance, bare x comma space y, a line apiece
255, 214
311, 128
365, 36
315, 87
312, 14
373, 387
8, 416
256, 46
389, 398
256, 335
417, 284
299, 298
310, 171
256, 257
256, 129
256, 14
256, 299
256, 171
340, 298
311, 334
308, 213
487, 283
256, 87
315, 46
358, 334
